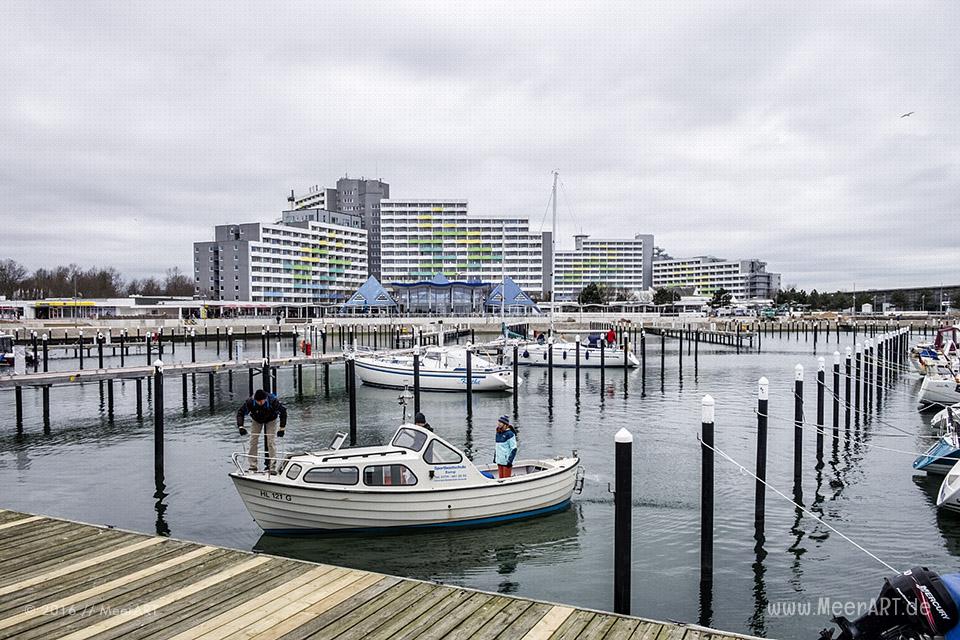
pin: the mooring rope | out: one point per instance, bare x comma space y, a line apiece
819, 519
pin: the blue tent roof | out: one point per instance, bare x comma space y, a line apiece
515, 297
370, 294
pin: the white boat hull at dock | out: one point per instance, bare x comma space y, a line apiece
289, 509
938, 390
565, 355
397, 373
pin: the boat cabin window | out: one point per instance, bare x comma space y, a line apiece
439, 453
332, 475
293, 471
388, 475
410, 439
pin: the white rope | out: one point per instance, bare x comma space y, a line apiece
746, 471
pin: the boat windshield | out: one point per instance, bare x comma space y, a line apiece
410, 439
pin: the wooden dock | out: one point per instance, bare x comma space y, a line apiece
67, 580
42, 379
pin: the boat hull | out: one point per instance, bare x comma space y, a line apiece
374, 373
282, 508
949, 495
938, 391
565, 356
940, 458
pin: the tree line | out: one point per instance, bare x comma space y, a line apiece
18, 283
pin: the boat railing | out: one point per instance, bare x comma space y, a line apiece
243, 462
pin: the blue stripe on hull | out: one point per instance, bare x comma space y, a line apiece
478, 522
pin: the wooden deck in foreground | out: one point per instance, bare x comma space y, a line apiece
61, 579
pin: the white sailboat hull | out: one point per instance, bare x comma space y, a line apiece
565, 355
949, 495
938, 391
400, 375
279, 507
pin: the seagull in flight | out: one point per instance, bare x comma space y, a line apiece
907, 114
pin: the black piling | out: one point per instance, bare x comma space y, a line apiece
550, 368
139, 385
18, 400
352, 388
46, 355
516, 373
821, 383
183, 384
858, 371
158, 418
416, 380
836, 399
846, 384
622, 520
706, 491
798, 432
80, 338
469, 380
210, 390
760, 492
576, 359
46, 407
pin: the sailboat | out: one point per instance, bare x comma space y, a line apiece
565, 352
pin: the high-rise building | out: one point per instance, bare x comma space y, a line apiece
624, 264
744, 279
363, 197
311, 257
420, 238
352, 195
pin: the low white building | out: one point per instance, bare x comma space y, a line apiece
744, 279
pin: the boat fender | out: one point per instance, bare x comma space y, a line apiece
544, 355
586, 355
526, 354
564, 355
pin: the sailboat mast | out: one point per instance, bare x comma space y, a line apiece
503, 277
553, 253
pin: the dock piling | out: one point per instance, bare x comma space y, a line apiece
139, 385
469, 379
846, 384
352, 389
416, 379
622, 520
836, 399
798, 432
18, 400
158, 418
821, 383
858, 372
760, 495
46, 355
706, 490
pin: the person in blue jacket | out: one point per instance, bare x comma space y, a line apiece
264, 409
506, 447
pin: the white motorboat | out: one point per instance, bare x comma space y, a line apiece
441, 369
940, 386
942, 351
565, 355
949, 495
417, 480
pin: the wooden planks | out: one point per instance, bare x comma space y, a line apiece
76, 581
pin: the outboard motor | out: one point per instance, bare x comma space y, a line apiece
915, 605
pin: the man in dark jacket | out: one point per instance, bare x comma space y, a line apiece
264, 409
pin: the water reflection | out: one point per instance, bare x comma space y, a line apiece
447, 555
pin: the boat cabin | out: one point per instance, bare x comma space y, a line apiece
415, 459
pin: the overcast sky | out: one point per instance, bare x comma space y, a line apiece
750, 129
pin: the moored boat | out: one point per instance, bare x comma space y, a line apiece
940, 387
565, 355
417, 480
440, 369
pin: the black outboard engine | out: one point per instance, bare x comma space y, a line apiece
915, 605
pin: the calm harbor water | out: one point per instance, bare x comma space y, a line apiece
90, 469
